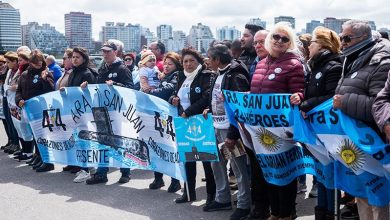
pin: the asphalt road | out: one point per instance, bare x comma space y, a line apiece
25, 194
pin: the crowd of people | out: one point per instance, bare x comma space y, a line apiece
352, 67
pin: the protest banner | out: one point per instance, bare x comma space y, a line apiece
106, 126
196, 138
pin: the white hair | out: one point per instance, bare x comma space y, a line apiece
285, 28
24, 49
51, 58
119, 45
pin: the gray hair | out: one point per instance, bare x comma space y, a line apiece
119, 45
359, 27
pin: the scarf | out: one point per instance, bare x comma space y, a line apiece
191, 75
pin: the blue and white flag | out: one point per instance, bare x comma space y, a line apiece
196, 138
266, 123
347, 141
106, 126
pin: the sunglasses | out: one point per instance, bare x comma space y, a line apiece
277, 37
128, 59
348, 38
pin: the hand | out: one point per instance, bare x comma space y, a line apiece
337, 101
295, 99
110, 82
84, 84
230, 143
62, 89
386, 129
21, 103
160, 75
13, 87
205, 113
304, 114
175, 101
184, 115
44, 75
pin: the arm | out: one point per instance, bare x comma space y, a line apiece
296, 79
331, 79
126, 80
166, 89
359, 106
18, 95
202, 103
381, 106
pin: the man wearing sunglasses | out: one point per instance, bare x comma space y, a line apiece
366, 63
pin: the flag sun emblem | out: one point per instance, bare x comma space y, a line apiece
351, 155
269, 140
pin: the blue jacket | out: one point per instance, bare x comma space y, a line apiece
55, 69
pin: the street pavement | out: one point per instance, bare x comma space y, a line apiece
25, 194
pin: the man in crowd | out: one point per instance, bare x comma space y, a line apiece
54, 68
248, 54
158, 49
364, 74
113, 72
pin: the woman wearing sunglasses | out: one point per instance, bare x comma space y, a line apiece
280, 72
326, 67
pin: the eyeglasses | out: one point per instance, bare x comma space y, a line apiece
277, 37
348, 38
128, 59
261, 42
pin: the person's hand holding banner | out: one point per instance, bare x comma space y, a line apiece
295, 99
337, 101
21, 103
84, 84
205, 112
175, 101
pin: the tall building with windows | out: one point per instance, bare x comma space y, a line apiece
164, 33
228, 33
334, 24
78, 29
200, 37
288, 19
258, 21
312, 25
45, 38
148, 36
10, 29
129, 34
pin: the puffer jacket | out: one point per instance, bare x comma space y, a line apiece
279, 75
166, 87
199, 92
364, 75
381, 106
117, 72
326, 70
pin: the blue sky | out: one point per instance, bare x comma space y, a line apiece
181, 14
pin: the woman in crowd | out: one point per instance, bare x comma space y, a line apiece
36, 80
280, 72
326, 67
171, 68
129, 60
191, 97
80, 73
67, 62
9, 86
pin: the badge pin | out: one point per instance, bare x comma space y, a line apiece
110, 75
114, 74
197, 90
271, 77
278, 70
318, 75
354, 75
36, 77
35, 80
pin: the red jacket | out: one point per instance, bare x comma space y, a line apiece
279, 75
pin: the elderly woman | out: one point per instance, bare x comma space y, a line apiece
326, 67
36, 80
171, 68
191, 97
280, 72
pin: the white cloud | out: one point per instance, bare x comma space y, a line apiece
182, 14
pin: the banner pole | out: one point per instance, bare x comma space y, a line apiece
336, 206
188, 192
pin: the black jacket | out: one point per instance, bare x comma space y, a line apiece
326, 70
199, 92
166, 87
117, 72
80, 75
248, 57
364, 75
31, 84
236, 79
